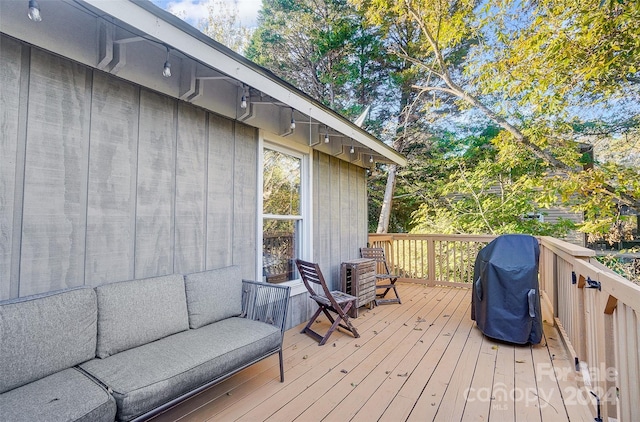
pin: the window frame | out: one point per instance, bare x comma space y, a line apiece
304, 153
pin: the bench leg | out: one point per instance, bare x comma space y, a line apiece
281, 366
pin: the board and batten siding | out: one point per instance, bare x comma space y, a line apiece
102, 180
339, 224
340, 214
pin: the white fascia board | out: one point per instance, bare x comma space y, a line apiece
165, 32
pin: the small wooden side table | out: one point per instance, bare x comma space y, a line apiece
358, 278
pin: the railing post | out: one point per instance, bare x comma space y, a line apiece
431, 261
610, 396
554, 271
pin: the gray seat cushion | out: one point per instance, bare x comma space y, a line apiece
68, 395
136, 312
44, 334
213, 295
152, 374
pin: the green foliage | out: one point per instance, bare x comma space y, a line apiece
281, 184
576, 51
624, 266
497, 104
481, 184
537, 70
323, 48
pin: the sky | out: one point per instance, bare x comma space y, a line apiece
195, 10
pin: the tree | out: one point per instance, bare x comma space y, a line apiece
480, 184
529, 66
323, 49
400, 35
326, 49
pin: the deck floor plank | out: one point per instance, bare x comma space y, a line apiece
548, 390
309, 367
453, 402
383, 364
575, 398
429, 356
502, 407
299, 354
340, 380
432, 396
525, 392
478, 405
387, 391
414, 361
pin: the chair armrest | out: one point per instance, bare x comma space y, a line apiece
265, 302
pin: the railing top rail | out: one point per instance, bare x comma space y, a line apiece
380, 237
610, 282
561, 247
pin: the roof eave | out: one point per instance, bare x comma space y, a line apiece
169, 29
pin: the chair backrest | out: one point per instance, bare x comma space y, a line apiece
310, 273
376, 254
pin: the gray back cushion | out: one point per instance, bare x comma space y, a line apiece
132, 313
213, 295
44, 334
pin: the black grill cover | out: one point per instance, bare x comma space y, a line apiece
506, 298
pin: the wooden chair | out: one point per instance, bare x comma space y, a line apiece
383, 274
329, 302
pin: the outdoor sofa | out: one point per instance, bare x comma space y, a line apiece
129, 350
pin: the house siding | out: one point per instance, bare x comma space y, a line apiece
340, 214
11, 160
102, 180
554, 214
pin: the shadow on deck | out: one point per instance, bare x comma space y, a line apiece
420, 361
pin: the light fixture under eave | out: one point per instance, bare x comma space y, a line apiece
293, 121
34, 11
245, 94
166, 72
326, 138
352, 150
371, 158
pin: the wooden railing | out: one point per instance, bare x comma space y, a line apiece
596, 311
431, 259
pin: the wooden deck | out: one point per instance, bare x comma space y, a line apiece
420, 361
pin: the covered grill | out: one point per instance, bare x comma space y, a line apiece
506, 298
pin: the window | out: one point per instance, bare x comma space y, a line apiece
282, 213
534, 216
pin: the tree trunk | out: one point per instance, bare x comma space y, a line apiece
385, 210
398, 145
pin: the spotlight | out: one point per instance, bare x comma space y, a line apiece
245, 95
166, 72
34, 11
